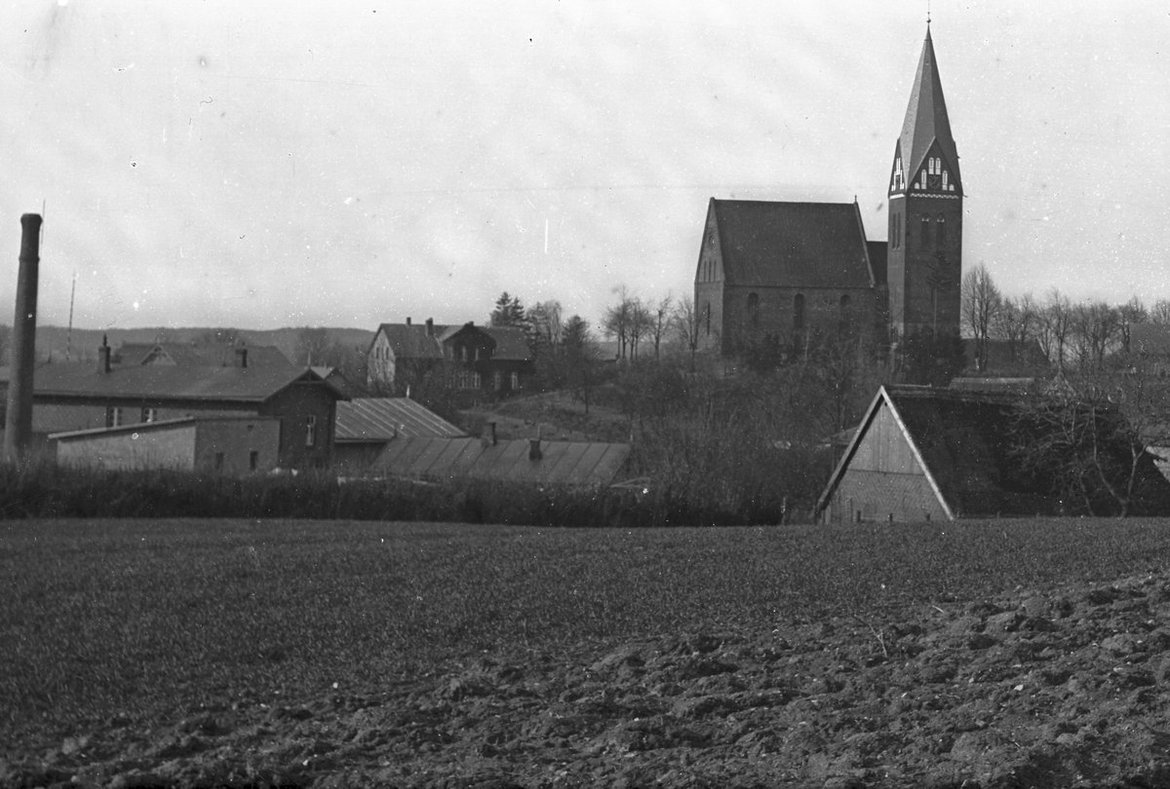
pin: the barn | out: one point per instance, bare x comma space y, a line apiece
922, 454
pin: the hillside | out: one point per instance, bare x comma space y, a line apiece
58, 344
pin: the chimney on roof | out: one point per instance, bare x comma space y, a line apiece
18, 419
534, 452
104, 356
430, 327
242, 357
407, 320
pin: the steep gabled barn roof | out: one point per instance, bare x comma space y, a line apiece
793, 245
965, 442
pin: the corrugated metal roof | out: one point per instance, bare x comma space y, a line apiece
444, 459
384, 418
792, 245
251, 384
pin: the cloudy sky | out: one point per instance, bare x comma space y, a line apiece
346, 163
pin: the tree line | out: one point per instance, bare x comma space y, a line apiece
1076, 336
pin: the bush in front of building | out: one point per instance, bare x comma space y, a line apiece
46, 491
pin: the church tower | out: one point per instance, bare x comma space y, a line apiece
925, 214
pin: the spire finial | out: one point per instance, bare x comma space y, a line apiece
928, 13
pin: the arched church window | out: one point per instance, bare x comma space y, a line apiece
941, 232
707, 310
925, 231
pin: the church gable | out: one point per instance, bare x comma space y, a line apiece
934, 175
710, 257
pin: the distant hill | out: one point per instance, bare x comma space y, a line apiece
56, 343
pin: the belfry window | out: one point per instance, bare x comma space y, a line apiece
925, 231
941, 232
946, 186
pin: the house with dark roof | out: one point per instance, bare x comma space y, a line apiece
193, 354
476, 361
792, 274
74, 397
922, 454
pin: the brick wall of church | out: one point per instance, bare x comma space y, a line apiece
754, 313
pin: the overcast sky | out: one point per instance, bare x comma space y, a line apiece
347, 163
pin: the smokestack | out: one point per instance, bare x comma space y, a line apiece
407, 320
534, 452
18, 422
430, 327
242, 357
104, 356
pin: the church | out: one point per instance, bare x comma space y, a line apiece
790, 275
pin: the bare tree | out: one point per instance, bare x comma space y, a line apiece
660, 317
616, 321
1017, 322
1160, 312
1096, 331
1055, 328
981, 303
1133, 311
687, 324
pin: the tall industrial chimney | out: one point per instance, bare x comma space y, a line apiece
22, 358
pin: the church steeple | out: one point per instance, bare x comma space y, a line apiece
927, 126
925, 213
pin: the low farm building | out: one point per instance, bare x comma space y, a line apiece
924, 454
577, 463
158, 387
228, 445
365, 425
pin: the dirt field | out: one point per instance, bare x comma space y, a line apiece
1059, 687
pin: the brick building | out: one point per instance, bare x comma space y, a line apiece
790, 274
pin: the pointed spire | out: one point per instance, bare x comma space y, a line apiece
926, 117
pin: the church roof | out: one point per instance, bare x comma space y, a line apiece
926, 117
794, 245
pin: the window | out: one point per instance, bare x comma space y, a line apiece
463, 353
708, 311
753, 307
149, 415
253, 460
113, 416
798, 312
219, 461
946, 186
925, 230
515, 382
497, 380
468, 380
941, 231
311, 430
